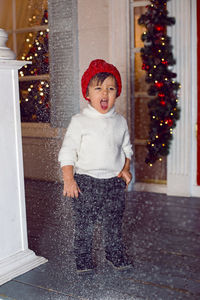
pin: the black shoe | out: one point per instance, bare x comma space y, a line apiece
119, 262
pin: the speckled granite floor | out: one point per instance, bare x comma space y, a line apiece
162, 236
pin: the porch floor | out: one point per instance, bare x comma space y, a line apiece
162, 237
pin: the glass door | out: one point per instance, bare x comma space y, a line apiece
139, 99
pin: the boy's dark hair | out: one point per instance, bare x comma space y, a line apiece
100, 77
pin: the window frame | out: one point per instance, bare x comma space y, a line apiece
134, 50
32, 129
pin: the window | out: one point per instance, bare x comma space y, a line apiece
27, 25
140, 98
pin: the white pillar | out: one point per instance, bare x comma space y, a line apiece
179, 175
119, 49
15, 257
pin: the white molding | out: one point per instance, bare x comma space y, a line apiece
41, 130
150, 187
194, 98
18, 264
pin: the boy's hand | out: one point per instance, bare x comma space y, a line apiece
125, 173
71, 188
126, 176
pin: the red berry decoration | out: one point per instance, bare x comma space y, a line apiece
159, 84
159, 28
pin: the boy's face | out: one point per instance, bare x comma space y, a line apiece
102, 96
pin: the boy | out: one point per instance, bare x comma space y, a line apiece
95, 160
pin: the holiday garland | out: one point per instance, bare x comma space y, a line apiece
157, 60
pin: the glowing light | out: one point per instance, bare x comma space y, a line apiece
41, 32
29, 89
160, 159
47, 29
41, 94
28, 40
150, 165
23, 57
163, 145
42, 82
30, 34
26, 99
39, 48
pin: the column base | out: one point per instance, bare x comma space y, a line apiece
19, 264
178, 185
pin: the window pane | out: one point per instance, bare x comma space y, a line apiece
33, 46
143, 172
30, 12
6, 14
34, 101
139, 75
141, 118
138, 29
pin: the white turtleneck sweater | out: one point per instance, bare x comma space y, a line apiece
96, 144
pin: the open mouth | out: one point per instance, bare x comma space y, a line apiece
104, 104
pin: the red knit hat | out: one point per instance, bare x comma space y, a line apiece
99, 66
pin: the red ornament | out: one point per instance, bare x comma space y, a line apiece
162, 102
159, 28
145, 67
159, 84
161, 95
169, 122
164, 62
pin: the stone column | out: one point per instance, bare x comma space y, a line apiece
15, 257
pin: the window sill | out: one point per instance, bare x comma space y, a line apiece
41, 130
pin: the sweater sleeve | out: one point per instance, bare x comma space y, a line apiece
126, 146
71, 144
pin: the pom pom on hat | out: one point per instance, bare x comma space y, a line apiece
99, 66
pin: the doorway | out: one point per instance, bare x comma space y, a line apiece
156, 174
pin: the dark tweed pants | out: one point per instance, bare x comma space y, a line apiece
102, 200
